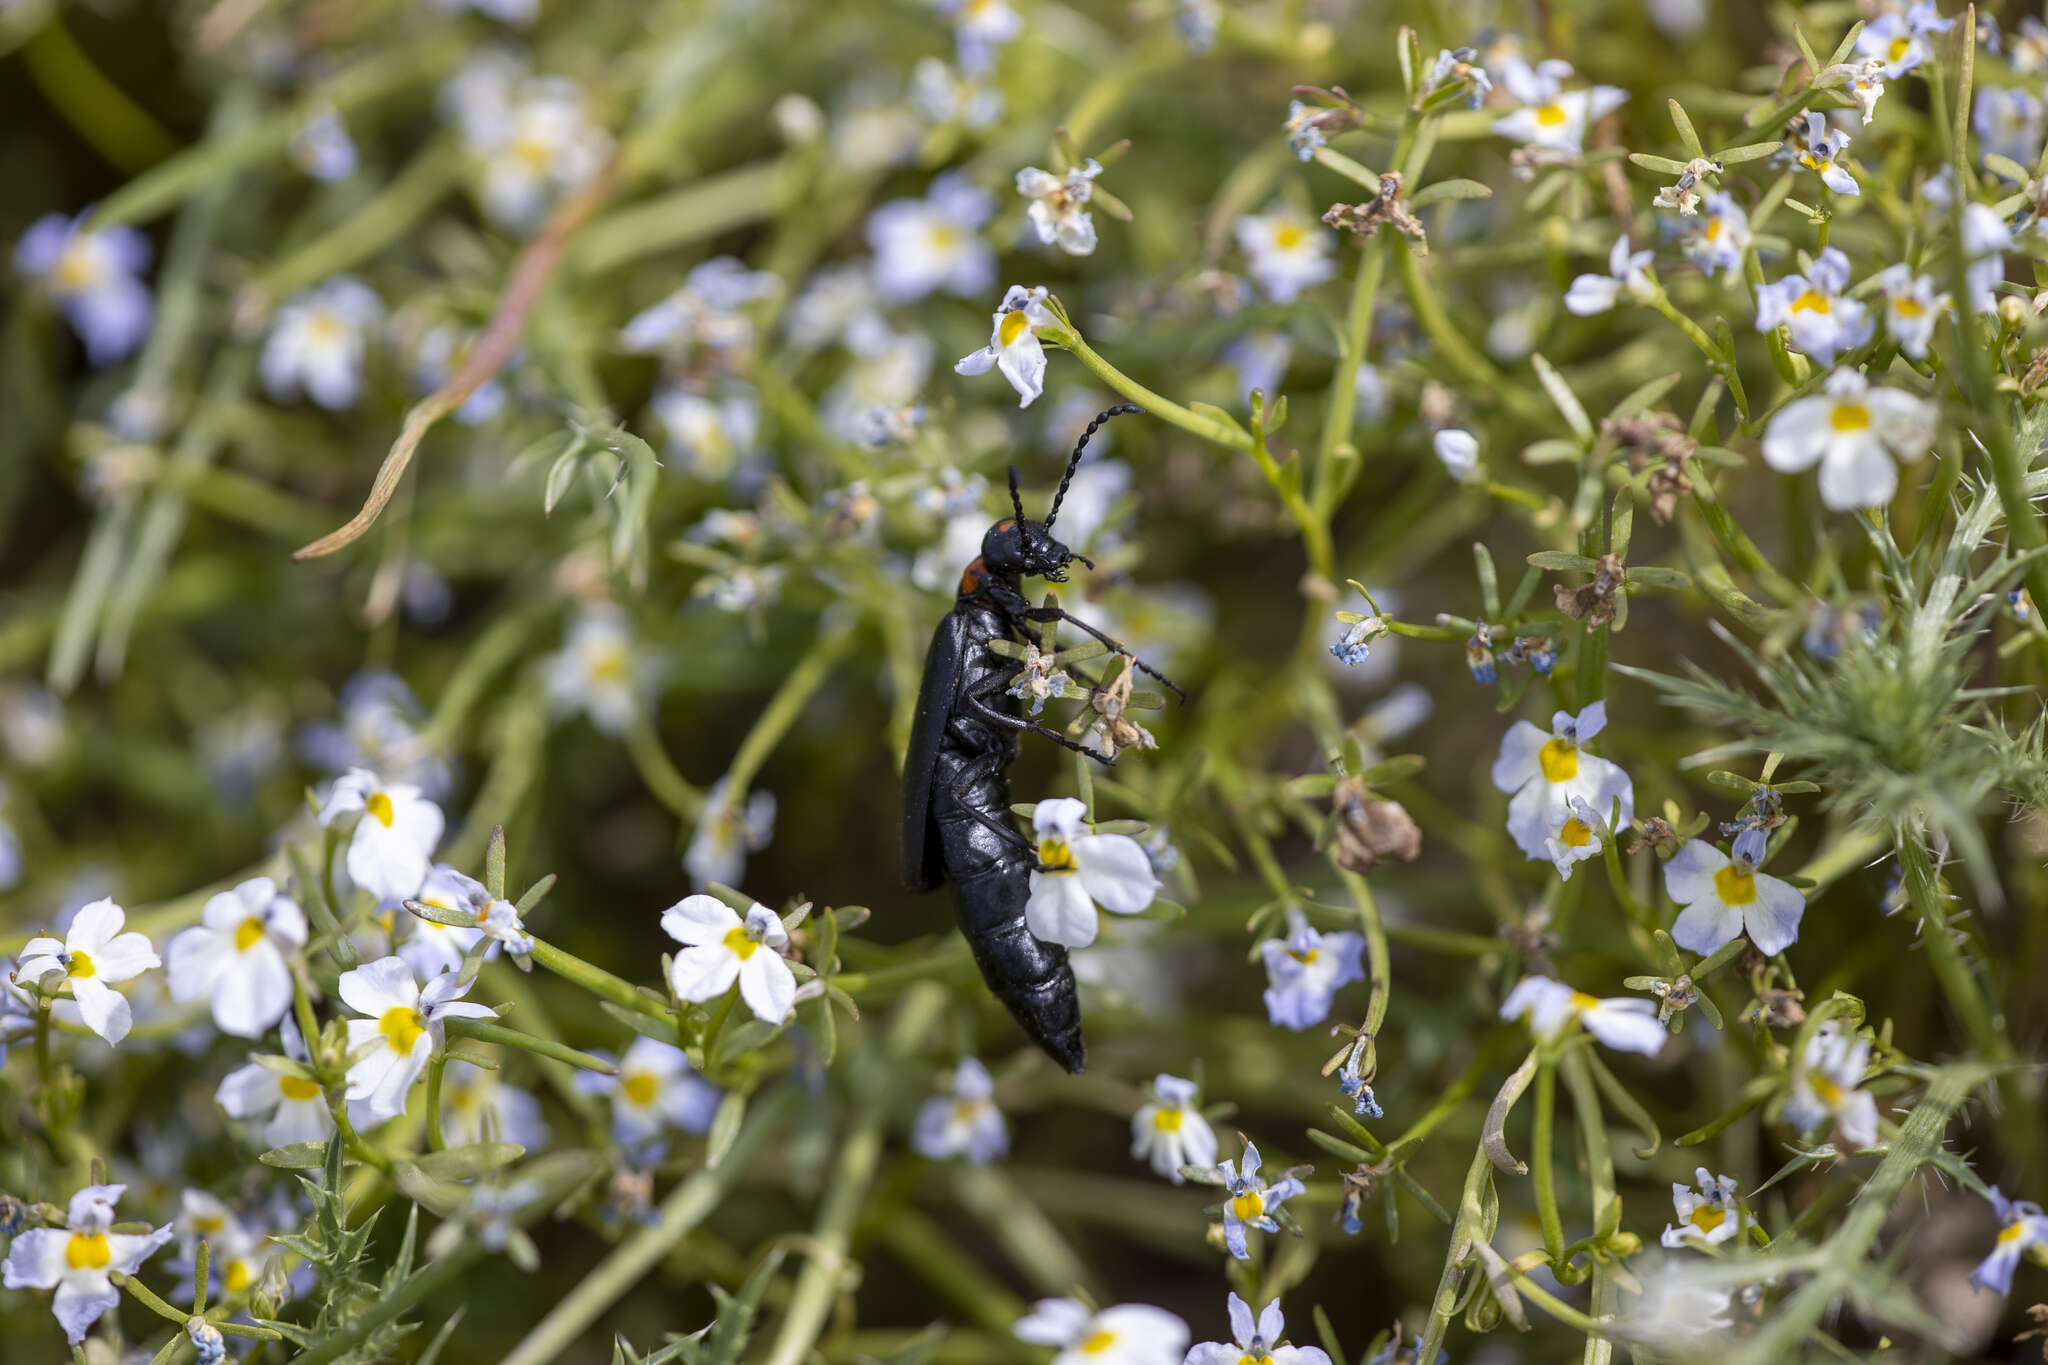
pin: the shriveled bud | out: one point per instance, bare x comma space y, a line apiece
1594, 602
1371, 829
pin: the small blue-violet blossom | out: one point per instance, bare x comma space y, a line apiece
95, 278
2022, 1226
1251, 1201
1306, 969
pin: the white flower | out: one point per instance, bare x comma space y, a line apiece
379, 729
1819, 148
1305, 970
964, 1122
1725, 898
478, 1107
1811, 308
1545, 773
79, 1259
1458, 449
1258, 1343
1707, 1214
1866, 84
596, 671
1059, 206
1127, 1334
1676, 1311
1458, 68
404, 1026
2021, 1227
656, 1089
1551, 116
727, 832
710, 434
1985, 238
942, 96
1910, 308
1077, 870
831, 304
723, 948
95, 279
1013, 346
395, 834
92, 959
922, 245
979, 28
1900, 40
2008, 122
1249, 1201
431, 947
1579, 835
290, 1106
235, 957
1287, 252
323, 149
704, 312
1169, 1131
532, 137
1590, 294
1625, 1024
316, 344
1827, 1087
1853, 432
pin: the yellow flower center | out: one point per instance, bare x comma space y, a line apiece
1015, 324
326, 329
1909, 308
297, 1088
1560, 760
208, 1223
81, 966
944, 237
742, 945
239, 1276
1249, 1205
1713, 230
1249, 1359
248, 934
1552, 115
965, 1110
1734, 886
640, 1087
379, 806
1097, 1342
2011, 1232
1899, 48
1055, 856
1830, 1093
532, 151
1289, 236
1812, 301
609, 667
1575, 834
1167, 1120
75, 269
1583, 1002
88, 1251
1301, 957
1707, 1217
1849, 417
402, 1027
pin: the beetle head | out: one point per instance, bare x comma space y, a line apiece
1021, 548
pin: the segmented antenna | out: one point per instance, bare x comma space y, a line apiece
1016, 499
1074, 460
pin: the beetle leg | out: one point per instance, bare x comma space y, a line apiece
1010, 722
1062, 614
958, 791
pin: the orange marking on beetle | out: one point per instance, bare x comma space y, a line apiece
971, 580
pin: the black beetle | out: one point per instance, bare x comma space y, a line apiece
956, 790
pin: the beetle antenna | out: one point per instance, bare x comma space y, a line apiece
1074, 460
1016, 499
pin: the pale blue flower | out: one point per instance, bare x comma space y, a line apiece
1306, 969
95, 278
1251, 1201
2022, 1226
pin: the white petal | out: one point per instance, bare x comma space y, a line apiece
1062, 816
104, 1009
697, 920
127, 956
248, 1091
767, 985
1626, 1026
1517, 761
704, 973
376, 987
1689, 876
1706, 924
1858, 474
1059, 910
1114, 870
94, 926
1773, 918
1591, 294
256, 995
1798, 436
1241, 1327
196, 956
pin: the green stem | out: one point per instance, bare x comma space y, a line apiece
116, 127
1343, 400
685, 1209
1540, 1159
1376, 961
485, 1032
659, 772
1471, 1224
597, 980
1958, 982
1208, 428
436, 1068
810, 1302
809, 674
